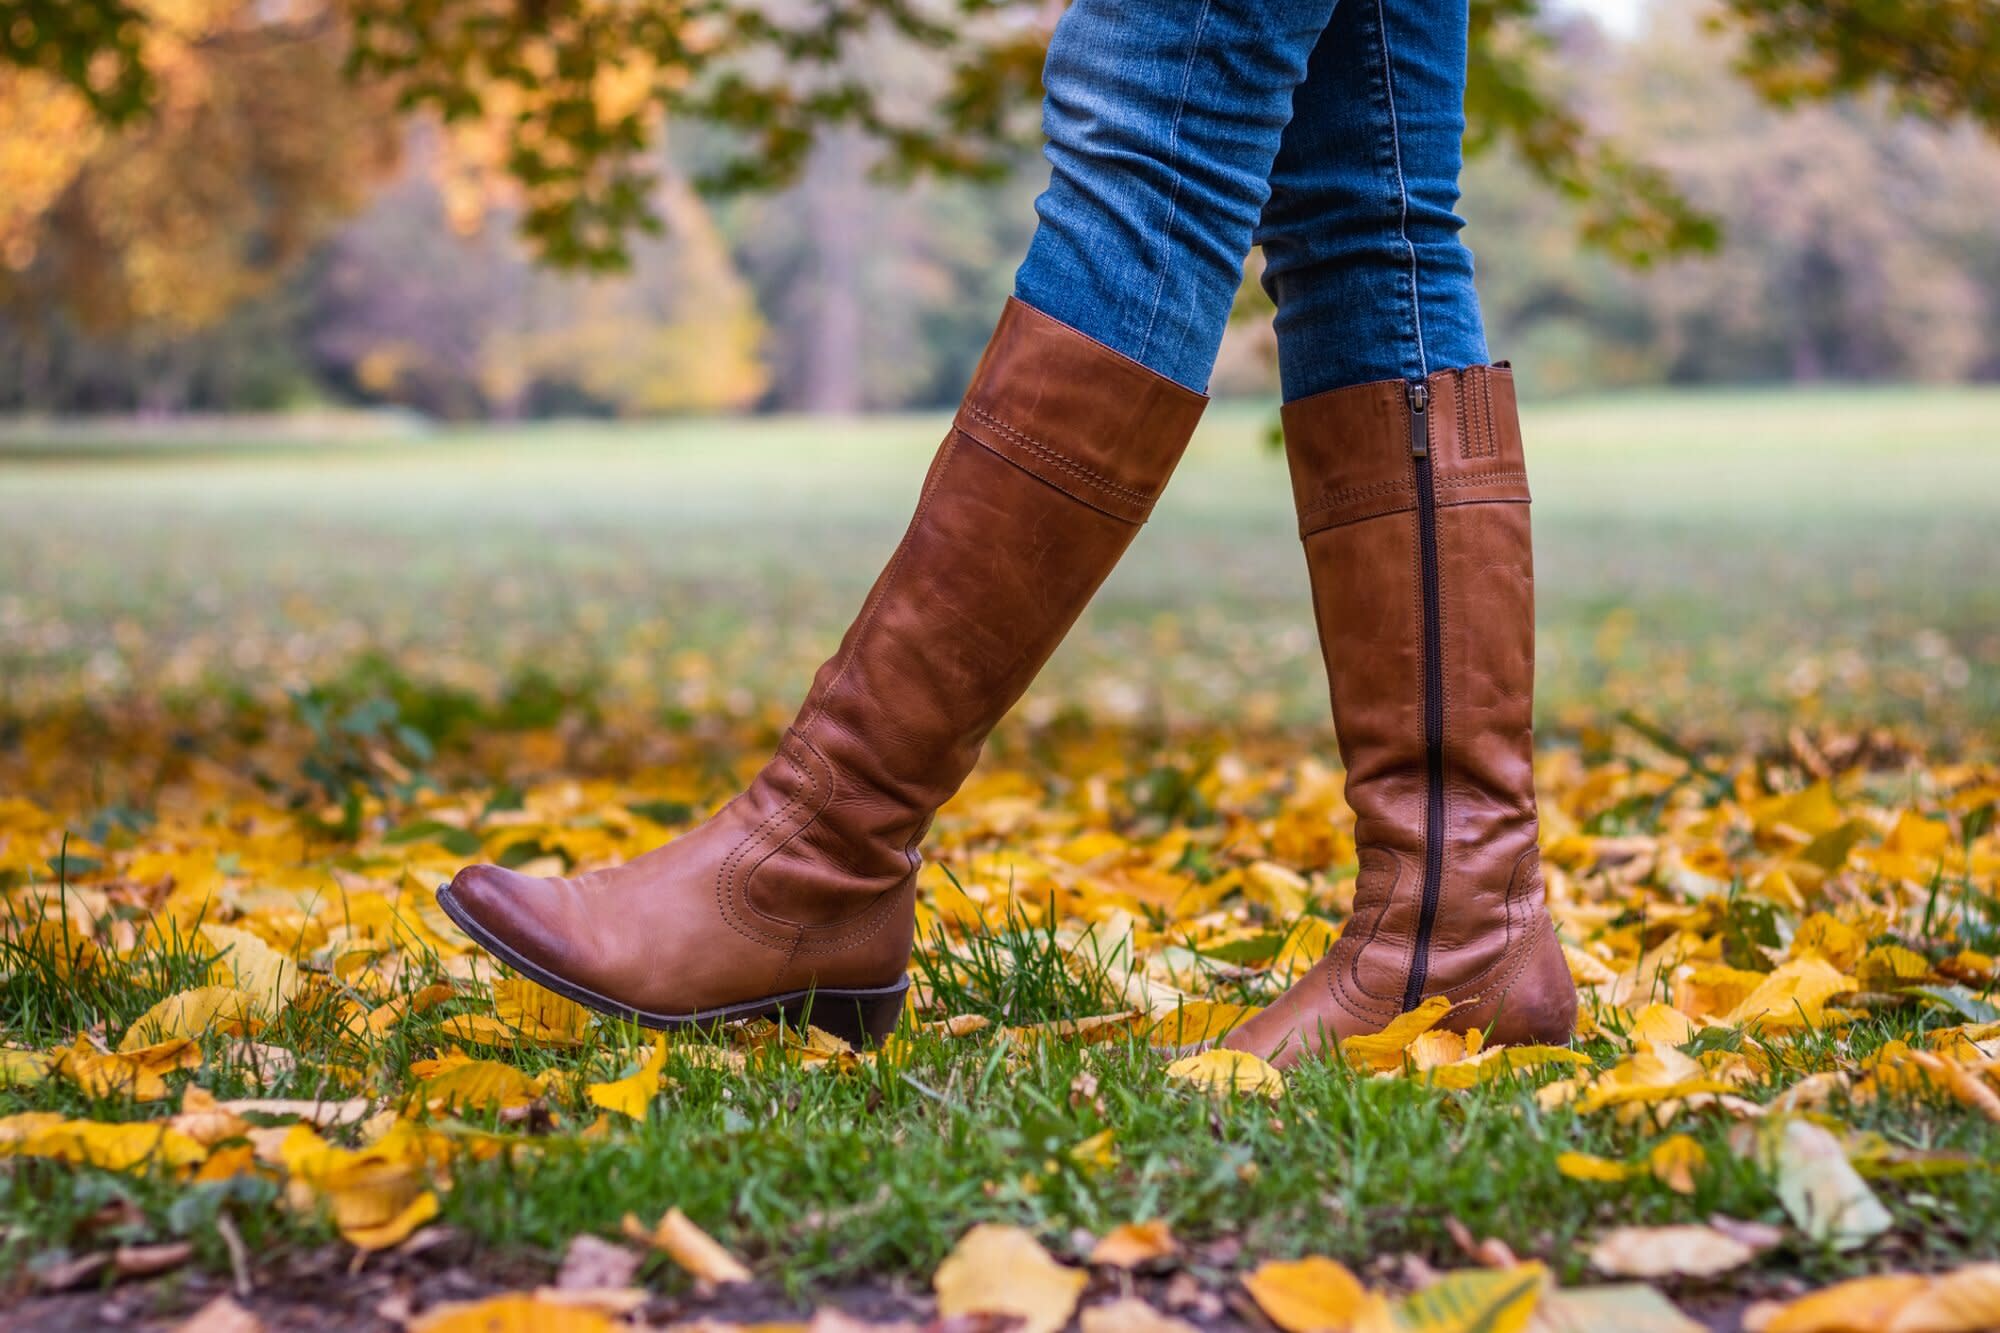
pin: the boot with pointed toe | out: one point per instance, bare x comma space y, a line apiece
1413, 507
798, 897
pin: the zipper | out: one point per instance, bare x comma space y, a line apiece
1433, 686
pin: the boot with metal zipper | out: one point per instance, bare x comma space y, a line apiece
1413, 507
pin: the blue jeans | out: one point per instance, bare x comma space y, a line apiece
1181, 132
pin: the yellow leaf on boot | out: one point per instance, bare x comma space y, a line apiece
1384, 1050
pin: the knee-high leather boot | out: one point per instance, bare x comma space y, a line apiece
801, 890
1413, 507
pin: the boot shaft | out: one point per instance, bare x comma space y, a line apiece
1413, 507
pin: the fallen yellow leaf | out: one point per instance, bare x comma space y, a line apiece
1134, 1243
689, 1246
1302, 1295
1003, 1270
632, 1095
1223, 1070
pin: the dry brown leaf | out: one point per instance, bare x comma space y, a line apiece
221, 1315
1671, 1251
1130, 1315
591, 1262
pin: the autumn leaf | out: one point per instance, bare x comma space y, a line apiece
191, 1014
1130, 1315
689, 1246
136, 1073
1003, 1270
1669, 1251
378, 1195
1383, 1051
1222, 1070
1479, 1300
1625, 1308
1675, 1161
1134, 1243
539, 1014
1819, 1188
631, 1095
513, 1312
477, 1085
1302, 1295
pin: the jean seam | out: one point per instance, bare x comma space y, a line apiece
1402, 185
1174, 195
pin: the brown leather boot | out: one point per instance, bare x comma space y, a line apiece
1413, 506
799, 894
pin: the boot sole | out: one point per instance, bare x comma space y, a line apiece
861, 1018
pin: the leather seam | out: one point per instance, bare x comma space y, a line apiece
1475, 478
727, 886
1058, 458
1393, 1003
1071, 490
1509, 958
1335, 499
874, 916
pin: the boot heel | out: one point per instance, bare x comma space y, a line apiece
860, 1018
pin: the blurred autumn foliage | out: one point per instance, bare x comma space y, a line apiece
227, 203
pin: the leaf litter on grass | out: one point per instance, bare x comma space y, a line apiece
241, 989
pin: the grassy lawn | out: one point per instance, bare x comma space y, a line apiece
257, 697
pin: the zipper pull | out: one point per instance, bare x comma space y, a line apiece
1420, 434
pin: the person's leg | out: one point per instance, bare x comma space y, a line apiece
1412, 496
1164, 124
1362, 254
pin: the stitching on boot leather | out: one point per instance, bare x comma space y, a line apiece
819, 774
1375, 928
1348, 495
1059, 459
728, 886
1512, 956
874, 916
1475, 478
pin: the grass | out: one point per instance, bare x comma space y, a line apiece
468, 612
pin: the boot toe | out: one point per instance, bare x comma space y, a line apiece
518, 913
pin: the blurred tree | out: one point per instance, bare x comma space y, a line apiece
579, 86
253, 143
419, 303
1858, 243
